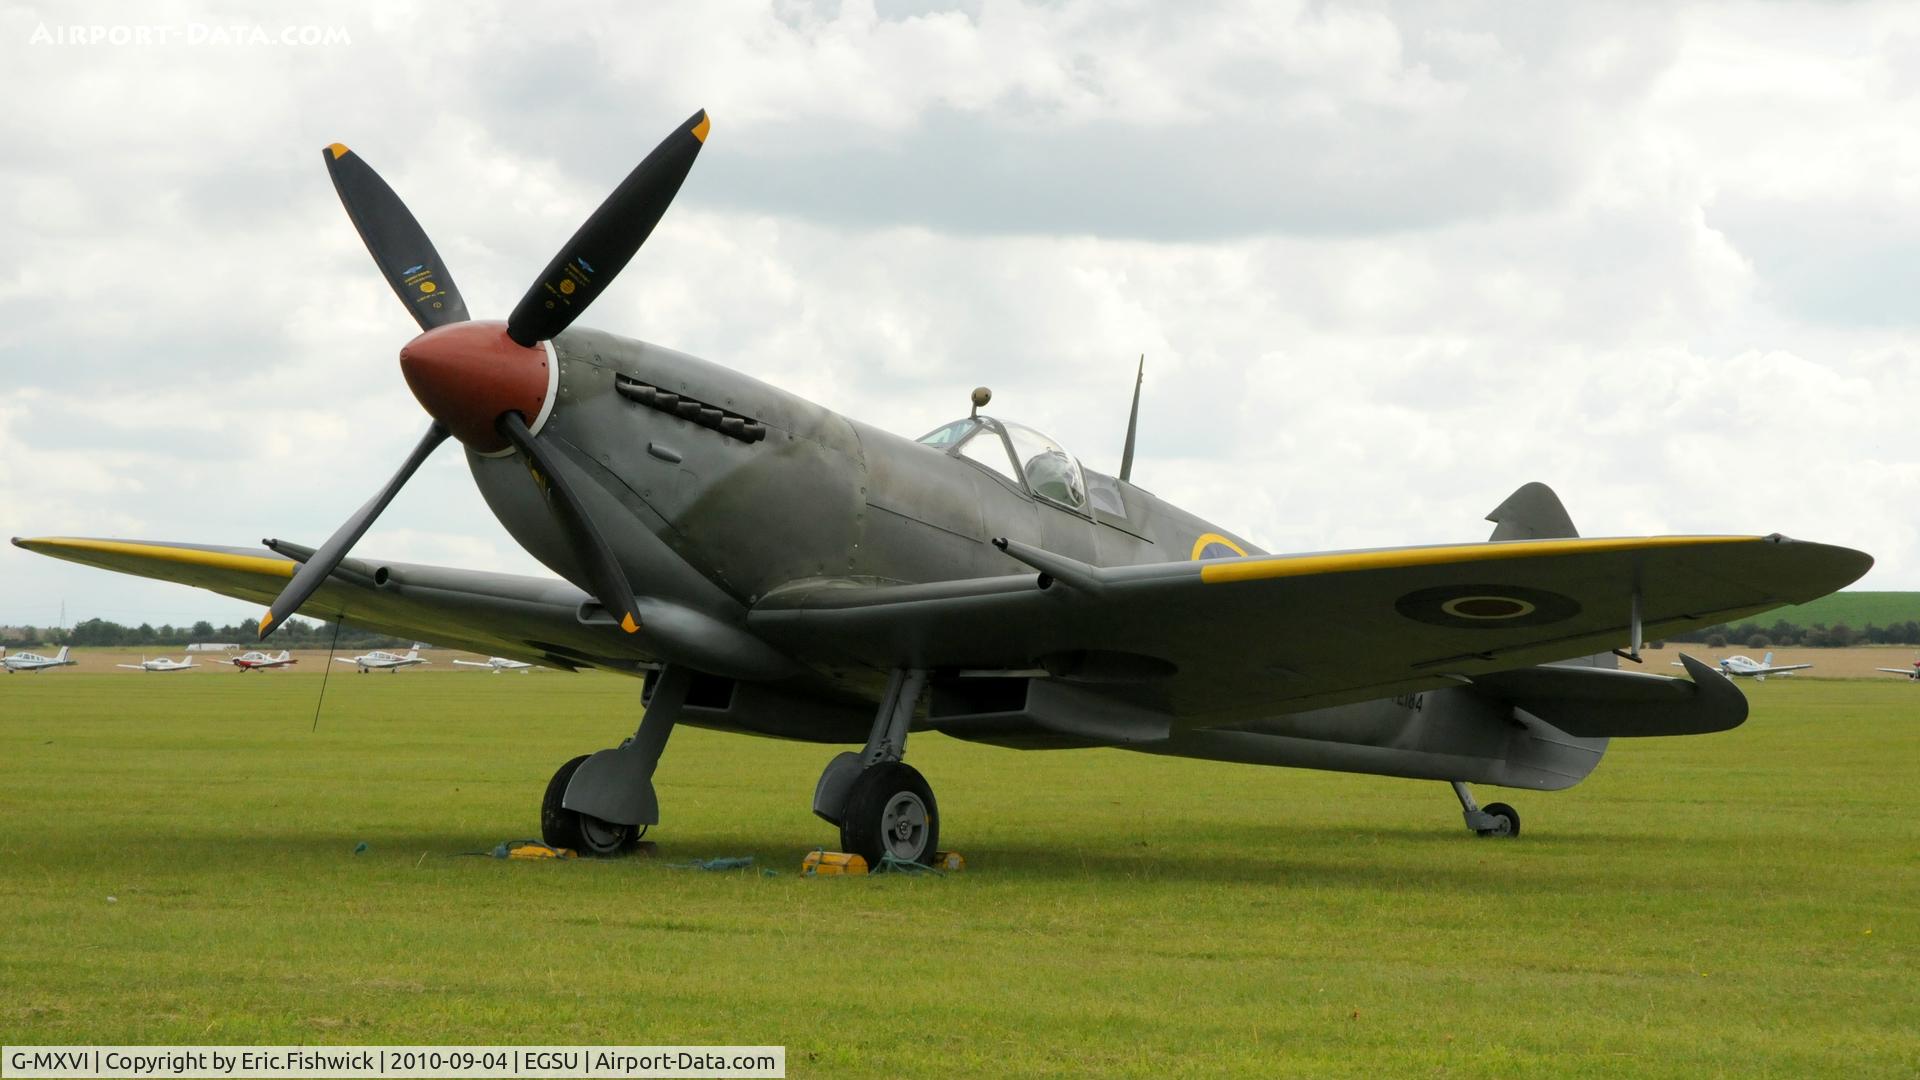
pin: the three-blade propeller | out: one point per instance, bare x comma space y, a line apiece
578, 274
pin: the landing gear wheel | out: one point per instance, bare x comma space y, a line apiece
890, 811
1508, 823
588, 835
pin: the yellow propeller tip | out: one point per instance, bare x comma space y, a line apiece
627, 623
700, 129
266, 621
338, 150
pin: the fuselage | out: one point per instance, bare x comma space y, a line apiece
817, 496
28, 661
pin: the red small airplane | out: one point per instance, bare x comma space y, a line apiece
247, 661
1912, 673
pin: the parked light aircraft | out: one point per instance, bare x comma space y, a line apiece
159, 663
377, 660
1746, 667
805, 575
27, 661
256, 659
498, 664
1912, 673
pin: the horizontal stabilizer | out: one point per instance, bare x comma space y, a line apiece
1607, 703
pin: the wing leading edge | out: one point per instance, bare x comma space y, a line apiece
526, 618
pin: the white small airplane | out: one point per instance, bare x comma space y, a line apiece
385, 661
159, 663
247, 661
498, 664
26, 661
1912, 673
1746, 667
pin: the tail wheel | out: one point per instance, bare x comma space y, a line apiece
1506, 817
584, 833
891, 812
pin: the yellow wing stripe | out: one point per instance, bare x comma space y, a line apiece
1215, 573
219, 560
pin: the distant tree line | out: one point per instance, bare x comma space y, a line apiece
293, 634
1783, 634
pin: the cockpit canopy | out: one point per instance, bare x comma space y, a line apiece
1018, 453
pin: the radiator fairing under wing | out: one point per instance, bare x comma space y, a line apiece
1607, 703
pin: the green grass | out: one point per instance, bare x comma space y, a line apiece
1854, 609
1738, 905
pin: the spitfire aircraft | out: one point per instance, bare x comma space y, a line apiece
377, 660
256, 660
27, 661
1746, 667
770, 567
159, 663
497, 664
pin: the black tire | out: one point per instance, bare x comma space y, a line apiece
588, 835
1509, 814
891, 810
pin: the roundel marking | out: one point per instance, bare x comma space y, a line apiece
1486, 607
1215, 546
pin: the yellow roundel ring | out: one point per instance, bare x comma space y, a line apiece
1221, 547
1487, 607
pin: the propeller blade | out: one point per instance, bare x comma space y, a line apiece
399, 245
590, 549
589, 262
315, 570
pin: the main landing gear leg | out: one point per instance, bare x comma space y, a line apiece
598, 804
883, 806
1494, 819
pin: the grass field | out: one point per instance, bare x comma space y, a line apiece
1739, 905
1855, 609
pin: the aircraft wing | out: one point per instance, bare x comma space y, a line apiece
1896, 670
528, 618
1216, 641
1780, 668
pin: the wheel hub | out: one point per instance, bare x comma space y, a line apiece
903, 826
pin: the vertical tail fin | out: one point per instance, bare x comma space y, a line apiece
1532, 512
63, 653
1767, 660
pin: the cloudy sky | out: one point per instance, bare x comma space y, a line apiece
1386, 261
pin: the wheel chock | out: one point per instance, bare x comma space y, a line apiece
832, 863
821, 863
527, 849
